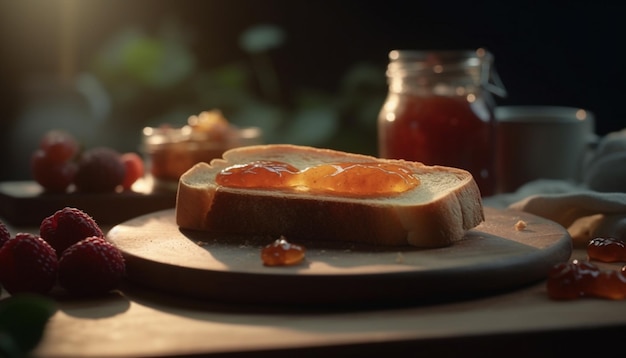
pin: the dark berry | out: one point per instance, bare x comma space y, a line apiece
52, 175
100, 169
67, 227
28, 264
5, 235
92, 266
60, 146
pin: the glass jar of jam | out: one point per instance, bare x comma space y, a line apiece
171, 151
439, 111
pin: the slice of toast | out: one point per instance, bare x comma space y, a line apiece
436, 213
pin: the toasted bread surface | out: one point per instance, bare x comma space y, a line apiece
436, 213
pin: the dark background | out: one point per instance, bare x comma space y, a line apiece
556, 53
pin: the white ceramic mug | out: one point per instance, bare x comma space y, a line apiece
541, 142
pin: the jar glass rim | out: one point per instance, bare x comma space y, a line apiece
475, 67
438, 56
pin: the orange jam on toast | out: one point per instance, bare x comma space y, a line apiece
347, 179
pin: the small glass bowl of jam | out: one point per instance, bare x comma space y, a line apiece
171, 151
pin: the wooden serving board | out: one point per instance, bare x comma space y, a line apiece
24, 203
493, 257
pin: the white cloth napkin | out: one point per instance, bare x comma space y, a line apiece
596, 207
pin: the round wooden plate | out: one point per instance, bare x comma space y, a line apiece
492, 257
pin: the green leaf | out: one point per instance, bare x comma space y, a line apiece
23, 318
8, 346
312, 126
261, 38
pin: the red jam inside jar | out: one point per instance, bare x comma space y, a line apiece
439, 111
441, 130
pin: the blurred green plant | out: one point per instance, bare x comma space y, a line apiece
155, 79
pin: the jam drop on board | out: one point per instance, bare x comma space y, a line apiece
606, 249
282, 253
577, 279
349, 179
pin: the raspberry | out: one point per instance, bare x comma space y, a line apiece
5, 235
134, 169
90, 267
28, 264
60, 146
52, 164
67, 227
100, 169
52, 175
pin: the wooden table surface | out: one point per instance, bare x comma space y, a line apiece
142, 322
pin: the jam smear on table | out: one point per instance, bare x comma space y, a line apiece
606, 249
577, 279
282, 253
348, 179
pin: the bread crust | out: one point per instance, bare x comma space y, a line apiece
433, 219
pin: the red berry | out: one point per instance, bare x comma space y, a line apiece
5, 235
60, 146
100, 169
51, 175
67, 227
28, 264
90, 267
134, 168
